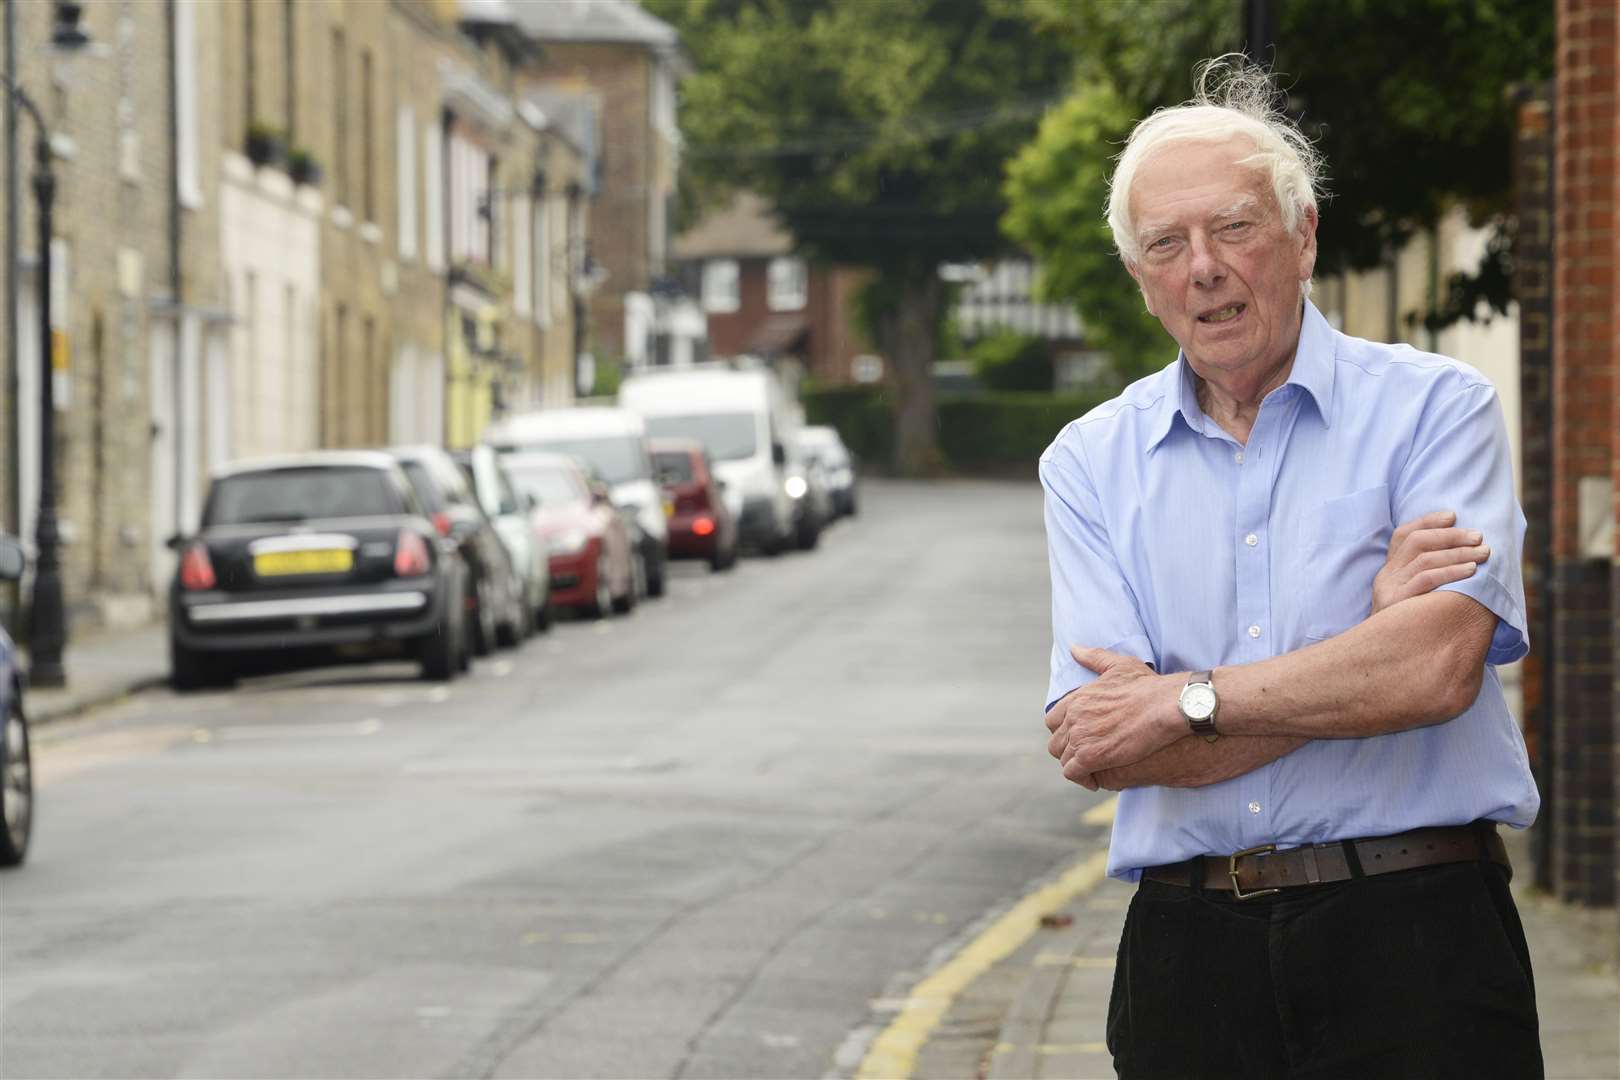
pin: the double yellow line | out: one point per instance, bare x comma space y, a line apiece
893, 1054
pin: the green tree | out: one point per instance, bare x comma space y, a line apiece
879, 131
1408, 100
1013, 361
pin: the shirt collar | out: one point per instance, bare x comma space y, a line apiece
1312, 372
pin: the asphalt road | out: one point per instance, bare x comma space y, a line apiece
713, 839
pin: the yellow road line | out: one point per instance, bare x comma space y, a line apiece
893, 1054
1102, 813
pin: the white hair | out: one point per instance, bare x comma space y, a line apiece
1232, 99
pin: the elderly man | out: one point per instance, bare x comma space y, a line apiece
1296, 699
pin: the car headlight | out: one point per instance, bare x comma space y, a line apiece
796, 487
571, 542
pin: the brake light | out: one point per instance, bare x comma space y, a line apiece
196, 570
703, 526
441, 521
411, 555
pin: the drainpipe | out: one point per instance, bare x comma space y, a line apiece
13, 509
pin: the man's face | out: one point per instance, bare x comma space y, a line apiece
1217, 267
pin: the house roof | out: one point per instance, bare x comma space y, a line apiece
617, 21
745, 228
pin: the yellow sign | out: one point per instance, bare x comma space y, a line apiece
283, 563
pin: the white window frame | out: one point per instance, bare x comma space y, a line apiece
405, 133
787, 284
722, 286
522, 259
542, 260
433, 153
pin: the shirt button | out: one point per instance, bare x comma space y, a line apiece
1238, 457
1254, 631
1254, 808
1251, 539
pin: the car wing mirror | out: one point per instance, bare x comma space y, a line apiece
779, 453
175, 542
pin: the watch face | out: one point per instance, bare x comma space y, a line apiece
1198, 701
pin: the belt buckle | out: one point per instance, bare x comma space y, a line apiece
1232, 872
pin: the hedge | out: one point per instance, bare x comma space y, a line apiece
978, 432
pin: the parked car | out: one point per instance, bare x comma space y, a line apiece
614, 443
16, 764
806, 486
827, 446
743, 419
701, 525
300, 555
592, 561
508, 510
495, 600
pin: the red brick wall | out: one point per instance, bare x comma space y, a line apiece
1585, 416
833, 341
621, 77
1532, 287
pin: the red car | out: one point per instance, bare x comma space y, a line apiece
700, 526
592, 556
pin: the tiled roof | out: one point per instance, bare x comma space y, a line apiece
592, 20
745, 228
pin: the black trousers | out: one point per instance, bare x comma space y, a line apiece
1420, 975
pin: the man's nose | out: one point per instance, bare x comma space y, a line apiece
1207, 268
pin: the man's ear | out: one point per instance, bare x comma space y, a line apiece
1307, 251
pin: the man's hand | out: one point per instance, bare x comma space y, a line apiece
1126, 714
1424, 554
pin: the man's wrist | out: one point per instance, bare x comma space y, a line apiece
1172, 719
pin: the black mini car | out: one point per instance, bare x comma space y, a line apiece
301, 557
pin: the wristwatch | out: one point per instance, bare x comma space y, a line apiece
1199, 703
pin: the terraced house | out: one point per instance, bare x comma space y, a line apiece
281, 225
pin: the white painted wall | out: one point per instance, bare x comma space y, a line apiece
270, 233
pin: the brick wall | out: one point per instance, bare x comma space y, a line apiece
1584, 384
1532, 286
619, 215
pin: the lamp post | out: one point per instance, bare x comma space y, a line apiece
47, 631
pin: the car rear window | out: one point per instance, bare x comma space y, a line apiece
552, 486
673, 468
422, 481
727, 436
299, 494
619, 458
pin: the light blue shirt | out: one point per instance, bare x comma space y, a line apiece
1172, 542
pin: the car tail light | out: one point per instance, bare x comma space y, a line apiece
441, 521
703, 526
196, 570
411, 555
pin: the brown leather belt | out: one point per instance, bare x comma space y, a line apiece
1263, 870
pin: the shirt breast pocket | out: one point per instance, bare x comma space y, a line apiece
1344, 541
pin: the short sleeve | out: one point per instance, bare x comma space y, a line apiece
1461, 461
1092, 603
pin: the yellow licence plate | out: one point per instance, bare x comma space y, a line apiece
320, 561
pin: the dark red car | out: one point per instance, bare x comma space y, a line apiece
700, 525
592, 556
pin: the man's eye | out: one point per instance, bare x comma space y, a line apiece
1161, 243
1237, 225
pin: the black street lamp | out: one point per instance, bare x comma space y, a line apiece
47, 631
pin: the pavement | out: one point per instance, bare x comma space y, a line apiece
103, 666
1054, 1024
1039, 1013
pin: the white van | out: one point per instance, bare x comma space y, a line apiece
614, 443
745, 420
